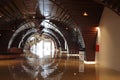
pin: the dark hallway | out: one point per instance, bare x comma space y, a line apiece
59, 40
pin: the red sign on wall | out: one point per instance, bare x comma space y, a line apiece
97, 48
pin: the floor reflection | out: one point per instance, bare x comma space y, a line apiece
31, 67
25, 71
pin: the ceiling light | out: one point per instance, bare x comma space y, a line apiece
13, 30
97, 29
66, 28
33, 17
85, 14
0, 16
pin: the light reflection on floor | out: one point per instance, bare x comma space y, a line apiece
59, 68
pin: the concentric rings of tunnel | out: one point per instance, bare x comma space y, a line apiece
65, 40
41, 46
22, 34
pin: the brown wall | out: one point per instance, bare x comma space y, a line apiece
89, 36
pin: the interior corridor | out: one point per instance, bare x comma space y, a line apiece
59, 39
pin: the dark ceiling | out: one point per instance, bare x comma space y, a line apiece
14, 12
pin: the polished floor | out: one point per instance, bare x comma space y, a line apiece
53, 69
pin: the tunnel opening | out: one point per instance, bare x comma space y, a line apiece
42, 46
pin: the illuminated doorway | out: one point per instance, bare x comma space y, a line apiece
43, 48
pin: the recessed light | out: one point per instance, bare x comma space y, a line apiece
33, 17
0, 16
66, 28
85, 14
13, 30
97, 28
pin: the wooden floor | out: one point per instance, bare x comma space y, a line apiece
59, 69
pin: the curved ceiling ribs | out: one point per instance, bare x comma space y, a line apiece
15, 11
67, 15
112, 4
20, 31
